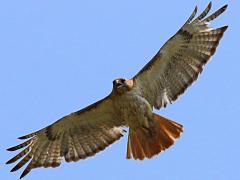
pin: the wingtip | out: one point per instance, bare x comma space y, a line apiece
224, 7
28, 136
14, 148
22, 175
210, 4
13, 169
8, 162
10, 149
25, 172
224, 28
22, 138
196, 9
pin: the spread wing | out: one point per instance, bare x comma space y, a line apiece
74, 137
179, 62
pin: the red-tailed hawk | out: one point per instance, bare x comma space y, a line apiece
130, 104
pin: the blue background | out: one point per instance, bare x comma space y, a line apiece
60, 56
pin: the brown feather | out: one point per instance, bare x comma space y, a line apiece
141, 145
216, 14
18, 156
20, 145
205, 12
73, 137
179, 62
22, 162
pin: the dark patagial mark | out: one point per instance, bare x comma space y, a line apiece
49, 133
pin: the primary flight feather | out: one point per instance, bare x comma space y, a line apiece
130, 104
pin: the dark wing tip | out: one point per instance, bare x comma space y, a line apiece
216, 14
19, 146
224, 28
210, 4
14, 169
205, 12
21, 176
224, 7
28, 135
8, 162
24, 137
21, 138
25, 172
192, 15
11, 149
195, 9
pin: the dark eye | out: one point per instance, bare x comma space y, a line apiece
123, 80
118, 82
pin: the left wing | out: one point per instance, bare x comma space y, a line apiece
179, 62
74, 137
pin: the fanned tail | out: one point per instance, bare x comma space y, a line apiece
141, 145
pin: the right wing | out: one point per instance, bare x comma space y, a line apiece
179, 62
74, 137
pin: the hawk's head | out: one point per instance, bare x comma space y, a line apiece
121, 85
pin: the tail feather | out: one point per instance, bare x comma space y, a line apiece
141, 145
137, 148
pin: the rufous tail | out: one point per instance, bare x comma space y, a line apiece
141, 145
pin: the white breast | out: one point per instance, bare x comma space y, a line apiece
133, 108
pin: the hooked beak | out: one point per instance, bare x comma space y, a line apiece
120, 86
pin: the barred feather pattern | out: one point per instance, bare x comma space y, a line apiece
73, 137
179, 62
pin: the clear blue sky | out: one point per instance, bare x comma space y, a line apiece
59, 56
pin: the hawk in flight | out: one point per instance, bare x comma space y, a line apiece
130, 104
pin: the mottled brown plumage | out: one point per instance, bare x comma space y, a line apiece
179, 62
130, 104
